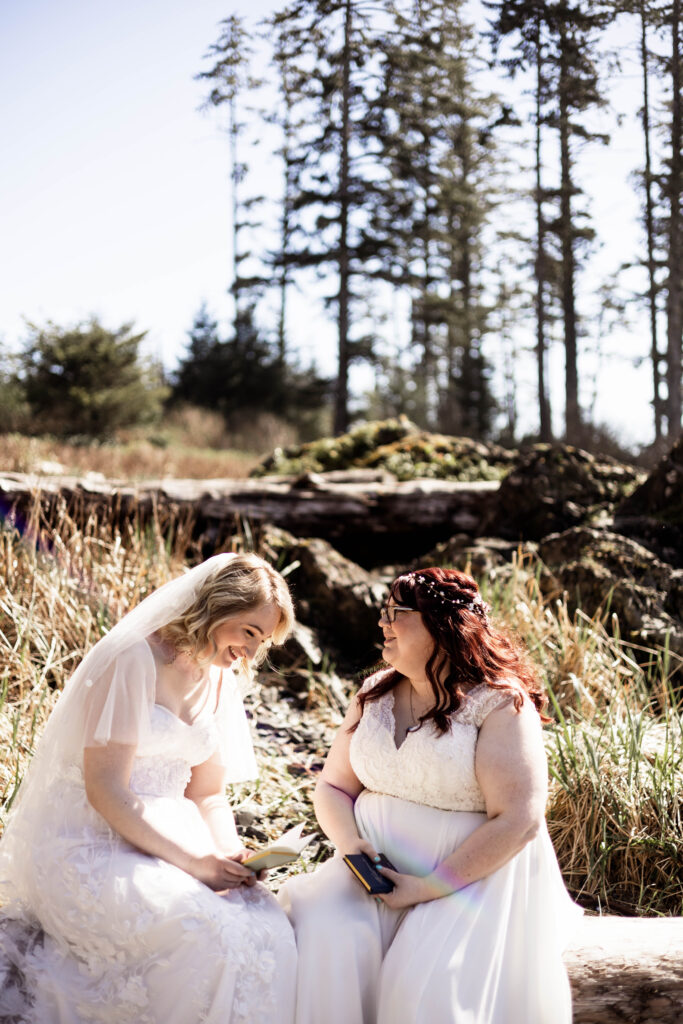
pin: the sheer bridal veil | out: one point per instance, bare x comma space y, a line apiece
109, 699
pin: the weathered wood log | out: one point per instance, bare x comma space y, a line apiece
627, 969
361, 513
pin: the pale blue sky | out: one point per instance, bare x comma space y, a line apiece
114, 194
113, 187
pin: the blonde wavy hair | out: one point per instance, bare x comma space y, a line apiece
245, 583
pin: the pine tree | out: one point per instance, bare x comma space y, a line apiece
230, 78
559, 41
327, 55
198, 377
243, 375
88, 380
436, 142
649, 223
289, 86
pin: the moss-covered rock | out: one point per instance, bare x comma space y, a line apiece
348, 451
394, 446
554, 487
481, 557
440, 457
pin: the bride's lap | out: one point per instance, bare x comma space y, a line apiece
328, 904
470, 956
342, 935
118, 901
148, 943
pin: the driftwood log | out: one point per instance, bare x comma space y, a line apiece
367, 516
627, 969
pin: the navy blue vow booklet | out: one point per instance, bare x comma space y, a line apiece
365, 870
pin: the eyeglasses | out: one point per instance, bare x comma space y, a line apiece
389, 611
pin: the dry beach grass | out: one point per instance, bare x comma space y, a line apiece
615, 748
131, 458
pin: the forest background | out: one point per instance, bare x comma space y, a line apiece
411, 192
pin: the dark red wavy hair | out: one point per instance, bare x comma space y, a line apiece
467, 649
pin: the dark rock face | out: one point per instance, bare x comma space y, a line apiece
335, 596
602, 570
554, 487
480, 557
653, 513
557, 504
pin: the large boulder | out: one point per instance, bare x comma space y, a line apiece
653, 513
601, 571
554, 487
332, 594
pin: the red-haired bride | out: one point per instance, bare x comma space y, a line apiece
439, 765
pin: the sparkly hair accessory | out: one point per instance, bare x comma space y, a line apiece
470, 603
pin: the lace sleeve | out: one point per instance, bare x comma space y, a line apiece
482, 701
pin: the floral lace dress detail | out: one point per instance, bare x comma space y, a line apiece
114, 935
429, 767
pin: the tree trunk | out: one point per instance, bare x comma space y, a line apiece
285, 225
473, 405
627, 969
341, 411
545, 424
675, 268
650, 232
364, 513
233, 132
572, 411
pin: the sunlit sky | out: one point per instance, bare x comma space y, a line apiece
114, 196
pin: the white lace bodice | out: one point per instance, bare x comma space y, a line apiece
429, 767
163, 764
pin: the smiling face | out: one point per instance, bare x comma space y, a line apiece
408, 644
241, 635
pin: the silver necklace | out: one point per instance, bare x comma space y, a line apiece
412, 728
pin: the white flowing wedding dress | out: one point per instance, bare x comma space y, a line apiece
487, 954
105, 933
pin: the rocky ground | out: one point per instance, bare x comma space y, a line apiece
293, 723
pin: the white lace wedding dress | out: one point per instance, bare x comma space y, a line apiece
113, 935
488, 954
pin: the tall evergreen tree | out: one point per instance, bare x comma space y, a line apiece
529, 28
560, 42
436, 142
645, 16
230, 79
329, 54
290, 124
